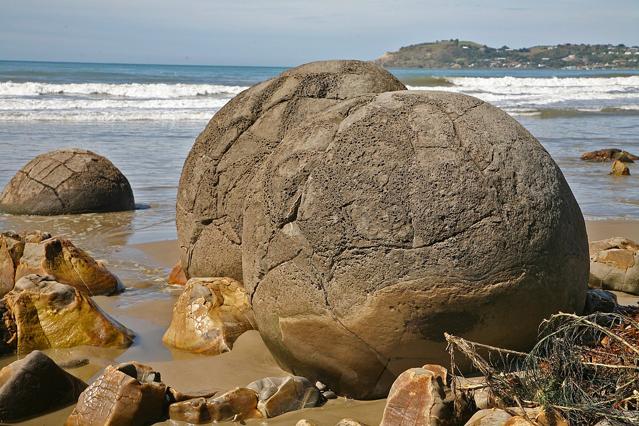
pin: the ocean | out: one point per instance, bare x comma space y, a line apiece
145, 118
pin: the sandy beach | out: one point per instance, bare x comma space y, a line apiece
249, 360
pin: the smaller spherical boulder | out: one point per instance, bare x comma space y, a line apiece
67, 181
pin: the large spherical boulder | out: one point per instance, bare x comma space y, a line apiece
67, 181
238, 138
376, 226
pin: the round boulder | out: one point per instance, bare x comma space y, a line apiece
67, 181
376, 226
238, 138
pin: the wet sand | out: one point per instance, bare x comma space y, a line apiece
146, 308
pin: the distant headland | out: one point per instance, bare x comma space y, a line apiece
467, 54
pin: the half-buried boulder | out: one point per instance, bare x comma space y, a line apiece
217, 172
11, 248
209, 316
67, 181
381, 223
34, 386
43, 313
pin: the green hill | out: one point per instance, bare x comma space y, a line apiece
468, 54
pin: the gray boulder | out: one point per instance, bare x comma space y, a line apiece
385, 221
67, 181
34, 386
238, 138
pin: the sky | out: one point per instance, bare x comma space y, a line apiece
290, 32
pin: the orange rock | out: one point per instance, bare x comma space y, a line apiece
417, 398
619, 168
177, 275
209, 316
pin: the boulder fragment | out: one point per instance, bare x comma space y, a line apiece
614, 265
418, 397
237, 405
177, 276
34, 386
47, 314
126, 394
279, 395
610, 154
209, 315
619, 168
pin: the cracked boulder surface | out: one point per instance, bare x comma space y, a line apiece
238, 139
67, 181
387, 220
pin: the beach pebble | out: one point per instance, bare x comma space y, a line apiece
217, 173
67, 181
619, 169
349, 422
305, 422
383, 222
177, 275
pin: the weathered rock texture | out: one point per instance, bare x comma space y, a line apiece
209, 316
418, 397
11, 248
614, 265
34, 386
386, 220
238, 138
43, 313
67, 181
177, 275
237, 405
126, 394
67, 263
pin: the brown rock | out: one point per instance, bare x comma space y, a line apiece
237, 405
599, 300
209, 316
126, 394
349, 422
217, 173
614, 265
551, 418
609, 154
34, 386
305, 422
68, 264
619, 169
177, 275
385, 221
67, 181
48, 314
279, 395
418, 398
489, 417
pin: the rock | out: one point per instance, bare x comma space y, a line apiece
418, 398
489, 417
609, 154
67, 181
329, 394
619, 169
305, 422
209, 316
48, 314
598, 300
221, 164
614, 265
125, 394
382, 223
177, 275
238, 404
349, 422
68, 264
34, 386
279, 395
11, 247
551, 418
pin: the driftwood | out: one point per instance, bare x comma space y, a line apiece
584, 367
